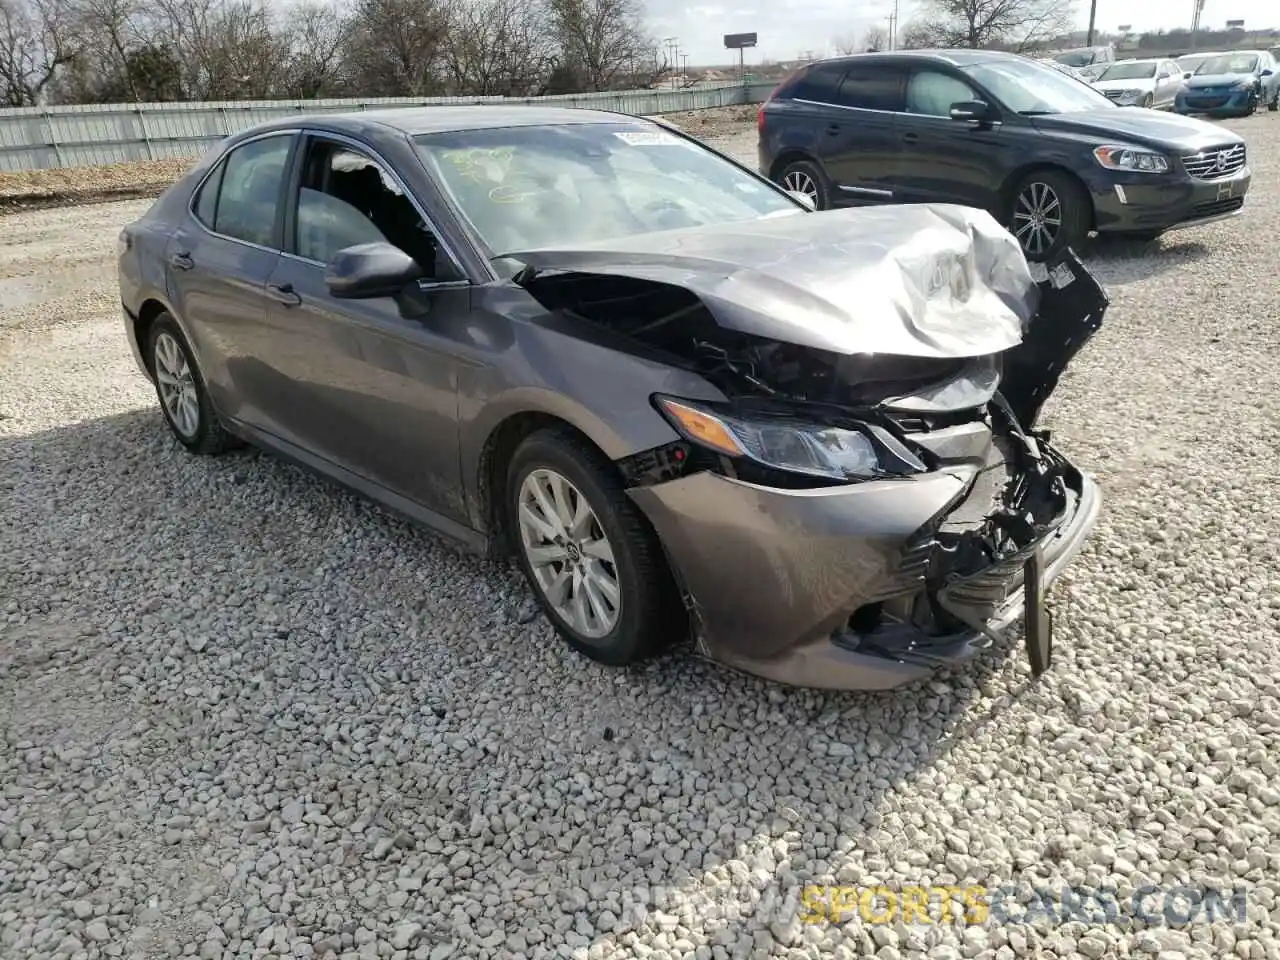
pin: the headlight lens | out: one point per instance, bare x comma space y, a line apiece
1130, 158
788, 445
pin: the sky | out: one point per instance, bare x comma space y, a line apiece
787, 28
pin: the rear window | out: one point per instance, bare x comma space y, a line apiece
820, 83
874, 86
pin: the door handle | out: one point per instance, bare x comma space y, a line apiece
833, 129
910, 137
283, 293
182, 260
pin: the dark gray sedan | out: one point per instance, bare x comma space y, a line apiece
684, 401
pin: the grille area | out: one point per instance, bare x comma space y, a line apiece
1213, 208
1216, 162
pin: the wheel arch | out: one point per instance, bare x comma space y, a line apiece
1016, 177
148, 312
489, 508
786, 158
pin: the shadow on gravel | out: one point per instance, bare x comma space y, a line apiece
716, 767
1122, 261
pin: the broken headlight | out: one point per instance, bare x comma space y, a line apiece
783, 444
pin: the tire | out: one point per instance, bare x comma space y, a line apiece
1072, 206
648, 611
1274, 105
1148, 101
807, 177
180, 388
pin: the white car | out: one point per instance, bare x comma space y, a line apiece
1141, 83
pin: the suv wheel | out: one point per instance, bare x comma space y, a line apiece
804, 177
1048, 213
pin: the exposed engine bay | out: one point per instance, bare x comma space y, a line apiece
971, 415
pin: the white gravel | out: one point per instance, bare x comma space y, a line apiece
245, 714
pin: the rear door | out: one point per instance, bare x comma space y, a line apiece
219, 259
1168, 80
945, 160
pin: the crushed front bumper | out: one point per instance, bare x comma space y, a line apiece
780, 580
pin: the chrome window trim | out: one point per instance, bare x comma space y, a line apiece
222, 158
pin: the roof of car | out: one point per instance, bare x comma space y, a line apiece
956, 57
446, 118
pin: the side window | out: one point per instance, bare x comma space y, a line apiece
252, 181
346, 198
873, 86
931, 93
821, 84
207, 202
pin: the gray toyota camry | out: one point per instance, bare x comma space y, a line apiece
682, 399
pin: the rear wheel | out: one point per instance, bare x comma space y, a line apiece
806, 177
181, 390
1049, 212
594, 563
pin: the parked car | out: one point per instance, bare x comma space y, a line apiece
1231, 84
650, 374
1063, 68
1087, 56
1189, 62
1050, 157
1141, 83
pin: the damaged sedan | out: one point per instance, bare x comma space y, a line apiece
683, 401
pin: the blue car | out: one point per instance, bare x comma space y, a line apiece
1231, 85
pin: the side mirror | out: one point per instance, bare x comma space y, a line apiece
370, 270
1186, 76
803, 198
1267, 73
972, 111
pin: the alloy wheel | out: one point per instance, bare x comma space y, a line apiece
569, 553
1037, 218
177, 386
801, 182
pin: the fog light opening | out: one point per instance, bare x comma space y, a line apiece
866, 619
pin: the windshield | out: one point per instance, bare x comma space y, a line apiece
1076, 58
523, 188
1190, 63
1229, 63
1030, 88
1129, 71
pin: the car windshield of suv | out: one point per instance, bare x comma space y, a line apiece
1129, 71
1188, 64
525, 187
1231, 63
1076, 58
1030, 88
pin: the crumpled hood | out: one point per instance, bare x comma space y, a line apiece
925, 280
1218, 80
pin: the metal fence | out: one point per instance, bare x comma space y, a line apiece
87, 135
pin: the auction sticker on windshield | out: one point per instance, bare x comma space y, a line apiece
650, 138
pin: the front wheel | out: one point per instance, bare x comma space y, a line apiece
594, 563
1148, 101
1274, 105
1049, 212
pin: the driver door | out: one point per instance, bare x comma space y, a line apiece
355, 382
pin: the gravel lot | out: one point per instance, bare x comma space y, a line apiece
245, 714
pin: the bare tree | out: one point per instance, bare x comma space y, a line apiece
845, 44
1013, 24
398, 47
600, 40
499, 47
317, 36
36, 39
875, 37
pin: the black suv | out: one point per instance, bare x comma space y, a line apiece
1049, 156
